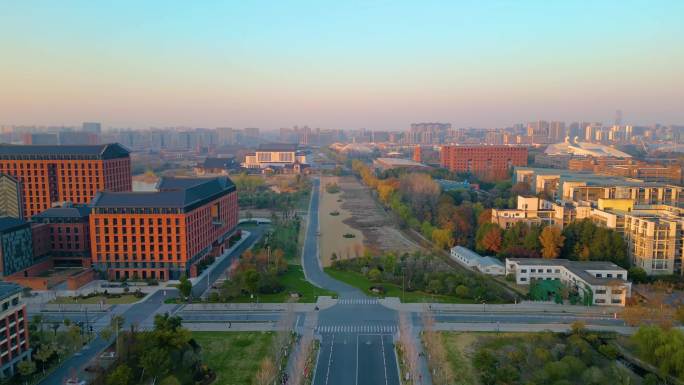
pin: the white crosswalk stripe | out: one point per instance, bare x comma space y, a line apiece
352, 328
358, 301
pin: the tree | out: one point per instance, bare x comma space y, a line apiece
170, 380
489, 238
551, 241
185, 286
43, 354
26, 369
638, 275
122, 375
155, 362
374, 275
442, 238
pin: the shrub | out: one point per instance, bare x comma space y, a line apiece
349, 235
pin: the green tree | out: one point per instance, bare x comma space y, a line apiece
26, 369
155, 362
43, 355
122, 375
638, 275
185, 286
170, 380
374, 275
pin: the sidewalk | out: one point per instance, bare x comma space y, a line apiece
506, 327
523, 307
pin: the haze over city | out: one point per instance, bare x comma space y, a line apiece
339, 65
284, 192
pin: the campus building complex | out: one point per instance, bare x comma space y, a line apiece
14, 331
490, 162
598, 283
50, 174
63, 233
163, 234
276, 156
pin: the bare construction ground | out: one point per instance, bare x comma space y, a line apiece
361, 215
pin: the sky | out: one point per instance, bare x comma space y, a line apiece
339, 64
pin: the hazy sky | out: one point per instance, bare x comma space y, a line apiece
339, 64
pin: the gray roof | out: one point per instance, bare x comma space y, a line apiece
10, 223
218, 162
277, 147
79, 211
173, 193
101, 151
8, 288
578, 267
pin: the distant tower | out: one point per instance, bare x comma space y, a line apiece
417, 155
618, 117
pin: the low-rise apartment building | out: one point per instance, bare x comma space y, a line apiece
605, 282
654, 233
14, 331
533, 210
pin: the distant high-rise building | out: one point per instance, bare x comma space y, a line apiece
92, 127
618, 117
44, 138
428, 133
252, 132
557, 131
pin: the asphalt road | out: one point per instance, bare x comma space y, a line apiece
140, 314
356, 337
218, 271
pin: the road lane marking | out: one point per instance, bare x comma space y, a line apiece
384, 363
332, 344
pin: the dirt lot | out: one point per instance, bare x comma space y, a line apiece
333, 227
360, 215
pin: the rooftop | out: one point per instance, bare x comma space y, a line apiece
76, 211
277, 147
173, 193
580, 268
101, 151
10, 223
8, 288
218, 162
400, 162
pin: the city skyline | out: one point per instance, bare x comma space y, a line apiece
374, 65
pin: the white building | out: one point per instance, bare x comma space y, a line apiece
276, 156
473, 260
606, 282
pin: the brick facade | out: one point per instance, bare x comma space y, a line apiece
488, 162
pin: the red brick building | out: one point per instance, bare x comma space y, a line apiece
63, 233
50, 174
14, 330
485, 161
162, 235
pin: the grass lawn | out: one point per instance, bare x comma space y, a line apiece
459, 346
294, 281
391, 290
235, 356
124, 299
